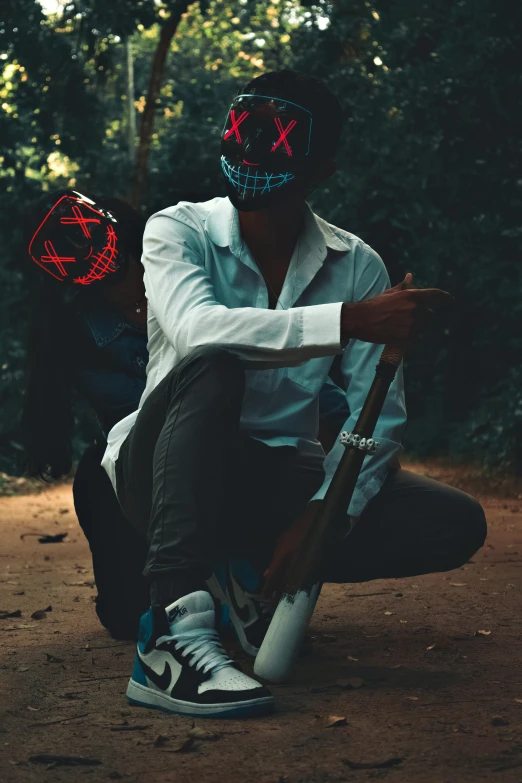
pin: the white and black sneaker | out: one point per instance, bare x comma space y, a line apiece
236, 586
181, 666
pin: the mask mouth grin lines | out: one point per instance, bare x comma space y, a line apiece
248, 182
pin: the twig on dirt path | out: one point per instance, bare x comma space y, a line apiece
47, 538
373, 764
135, 727
58, 720
508, 765
458, 701
112, 677
64, 761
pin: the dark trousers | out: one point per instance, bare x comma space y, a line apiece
199, 488
118, 550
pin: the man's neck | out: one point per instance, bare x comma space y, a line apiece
273, 230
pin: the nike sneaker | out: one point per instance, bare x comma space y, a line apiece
236, 586
181, 666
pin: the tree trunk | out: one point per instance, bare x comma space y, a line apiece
131, 109
147, 120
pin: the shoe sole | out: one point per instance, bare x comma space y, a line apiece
217, 591
142, 696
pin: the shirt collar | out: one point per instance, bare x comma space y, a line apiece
222, 226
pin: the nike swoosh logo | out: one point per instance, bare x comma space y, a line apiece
161, 680
243, 612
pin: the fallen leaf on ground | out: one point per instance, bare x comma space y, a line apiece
458, 584
482, 633
182, 747
53, 658
327, 638
203, 734
80, 584
21, 627
518, 701
5, 614
351, 658
56, 539
439, 644
403, 621
373, 764
334, 720
350, 682
412, 698
388, 613
34, 709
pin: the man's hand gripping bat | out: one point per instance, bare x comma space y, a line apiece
283, 639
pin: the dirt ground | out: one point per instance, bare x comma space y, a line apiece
420, 679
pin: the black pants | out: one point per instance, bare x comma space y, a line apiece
189, 479
118, 550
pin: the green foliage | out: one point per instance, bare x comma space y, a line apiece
428, 165
429, 176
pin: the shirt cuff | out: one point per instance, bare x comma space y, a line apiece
322, 326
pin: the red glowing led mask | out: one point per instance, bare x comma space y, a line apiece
76, 240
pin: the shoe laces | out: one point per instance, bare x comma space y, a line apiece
203, 645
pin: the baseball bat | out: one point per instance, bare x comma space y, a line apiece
288, 627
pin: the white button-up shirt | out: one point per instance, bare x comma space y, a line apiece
204, 288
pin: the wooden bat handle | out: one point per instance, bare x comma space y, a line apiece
392, 354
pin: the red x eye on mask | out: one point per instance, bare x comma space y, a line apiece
77, 241
265, 142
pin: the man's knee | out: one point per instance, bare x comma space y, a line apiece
470, 520
478, 527
219, 371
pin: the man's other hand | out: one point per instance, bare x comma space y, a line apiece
286, 550
395, 316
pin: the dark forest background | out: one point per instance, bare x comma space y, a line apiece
129, 97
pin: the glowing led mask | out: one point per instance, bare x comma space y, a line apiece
265, 142
77, 241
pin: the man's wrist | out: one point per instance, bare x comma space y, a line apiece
348, 321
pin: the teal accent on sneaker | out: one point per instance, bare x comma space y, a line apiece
145, 631
245, 573
225, 616
137, 672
